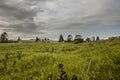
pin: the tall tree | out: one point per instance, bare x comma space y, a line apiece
97, 38
37, 39
19, 39
70, 38
61, 39
4, 37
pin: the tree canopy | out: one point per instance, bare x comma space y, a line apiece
4, 37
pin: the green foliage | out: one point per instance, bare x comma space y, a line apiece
61, 39
39, 61
4, 37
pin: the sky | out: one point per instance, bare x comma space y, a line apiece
50, 18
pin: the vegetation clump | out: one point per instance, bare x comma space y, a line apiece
39, 61
63, 75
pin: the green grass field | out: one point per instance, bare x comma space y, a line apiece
39, 61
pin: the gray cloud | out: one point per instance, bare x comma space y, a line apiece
7, 10
17, 17
35, 16
78, 14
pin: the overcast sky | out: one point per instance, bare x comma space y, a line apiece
50, 18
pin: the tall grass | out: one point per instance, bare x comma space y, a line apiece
39, 61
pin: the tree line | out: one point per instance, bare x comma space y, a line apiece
77, 39
4, 38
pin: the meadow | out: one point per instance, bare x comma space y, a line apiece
49, 61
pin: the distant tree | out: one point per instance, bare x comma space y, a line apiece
88, 39
4, 37
42, 40
19, 39
37, 39
70, 38
45, 39
97, 38
78, 39
93, 38
48, 39
113, 37
61, 39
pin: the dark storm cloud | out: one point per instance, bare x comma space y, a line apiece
33, 16
7, 10
19, 18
